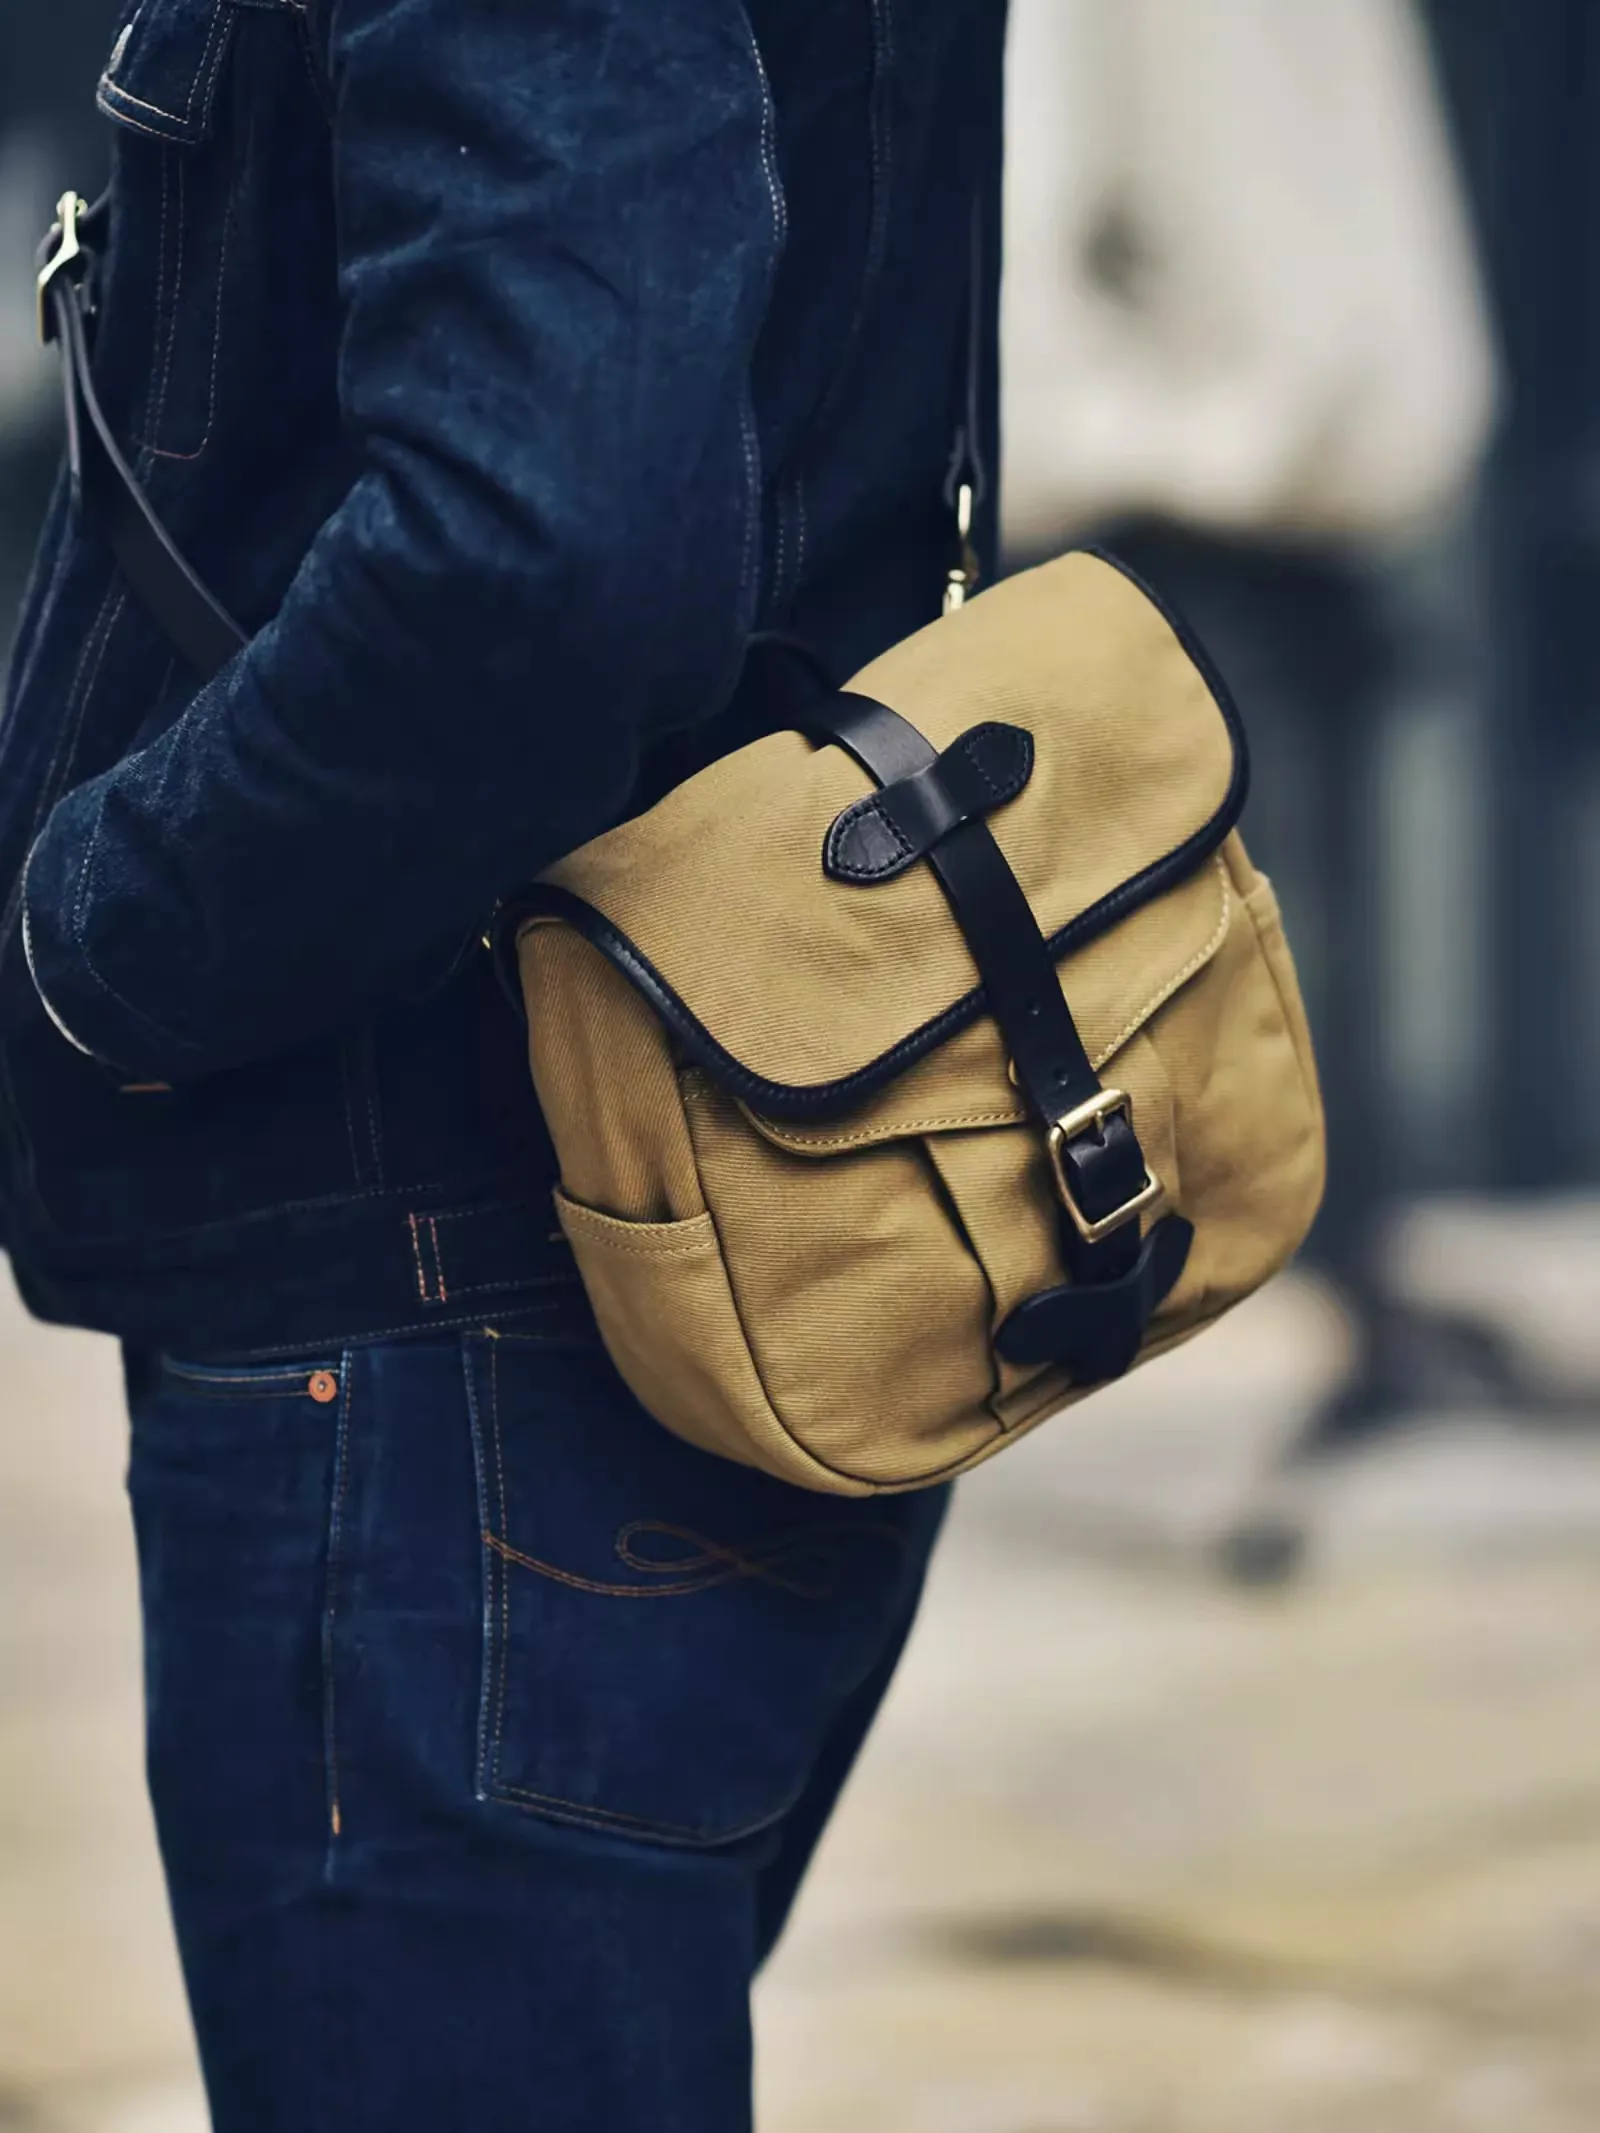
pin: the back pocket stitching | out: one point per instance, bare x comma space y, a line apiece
523, 1797
719, 1563
498, 1558
667, 1832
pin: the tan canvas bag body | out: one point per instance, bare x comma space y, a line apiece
830, 1223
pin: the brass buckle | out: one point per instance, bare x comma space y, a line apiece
961, 581
66, 254
1107, 1103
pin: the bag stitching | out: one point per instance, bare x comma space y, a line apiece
1308, 1088
1196, 962
639, 1236
646, 1251
1016, 1115
854, 870
1013, 1116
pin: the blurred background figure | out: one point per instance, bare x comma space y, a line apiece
1303, 316
1249, 343
1241, 294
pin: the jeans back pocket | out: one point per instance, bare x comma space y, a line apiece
670, 1637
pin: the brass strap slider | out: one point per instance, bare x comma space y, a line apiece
65, 256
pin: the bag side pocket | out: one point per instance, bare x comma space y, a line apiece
664, 1305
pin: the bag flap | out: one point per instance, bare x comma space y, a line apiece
805, 995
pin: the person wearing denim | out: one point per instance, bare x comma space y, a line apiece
506, 370
490, 1728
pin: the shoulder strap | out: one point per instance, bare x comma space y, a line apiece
198, 625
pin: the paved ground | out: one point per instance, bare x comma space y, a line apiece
1134, 1852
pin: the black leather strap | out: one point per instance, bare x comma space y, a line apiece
197, 624
1100, 1328
1105, 1165
890, 830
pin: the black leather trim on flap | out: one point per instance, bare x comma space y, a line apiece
802, 1103
878, 837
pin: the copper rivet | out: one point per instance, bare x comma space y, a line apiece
324, 1387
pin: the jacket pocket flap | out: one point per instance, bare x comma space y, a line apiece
162, 75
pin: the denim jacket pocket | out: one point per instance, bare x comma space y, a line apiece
161, 77
159, 337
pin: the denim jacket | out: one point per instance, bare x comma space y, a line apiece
503, 368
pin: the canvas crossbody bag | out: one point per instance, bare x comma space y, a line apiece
914, 1070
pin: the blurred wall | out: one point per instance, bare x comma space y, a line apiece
51, 138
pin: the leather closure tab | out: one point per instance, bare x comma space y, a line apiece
1097, 1330
890, 830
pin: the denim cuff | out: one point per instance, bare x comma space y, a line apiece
44, 998
89, 1015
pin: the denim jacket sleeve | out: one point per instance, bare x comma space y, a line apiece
558, 227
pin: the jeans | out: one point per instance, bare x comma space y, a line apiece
491, 1729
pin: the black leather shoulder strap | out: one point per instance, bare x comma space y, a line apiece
197, 624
